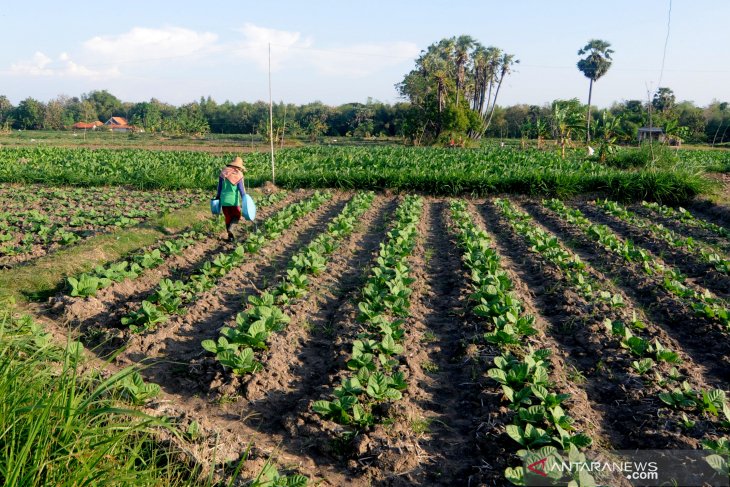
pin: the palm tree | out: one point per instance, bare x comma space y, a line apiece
461, 47
594, 66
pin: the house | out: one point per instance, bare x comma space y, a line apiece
86, 126
118, 124
650, 133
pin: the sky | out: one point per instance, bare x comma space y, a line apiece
343, 51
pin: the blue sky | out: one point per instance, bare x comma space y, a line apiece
338, 52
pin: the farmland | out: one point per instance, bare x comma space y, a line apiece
396, 316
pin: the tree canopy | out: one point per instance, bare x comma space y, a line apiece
453, 88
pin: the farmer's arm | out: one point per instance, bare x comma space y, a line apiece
220, 188
241, 189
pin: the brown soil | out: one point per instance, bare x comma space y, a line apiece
704, 342
94, 315
700, 273
627, 405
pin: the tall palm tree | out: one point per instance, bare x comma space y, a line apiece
594, 66
461, 47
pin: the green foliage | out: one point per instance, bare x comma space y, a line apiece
62, 426
488, 170
135, 390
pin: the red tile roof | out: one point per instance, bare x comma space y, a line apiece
116, 121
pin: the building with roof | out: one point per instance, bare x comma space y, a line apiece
650, 133
86, 125
118, 124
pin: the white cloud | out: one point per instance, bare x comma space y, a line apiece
292, 49
255, 46
122, 56
42, 65
36, 66
143, 44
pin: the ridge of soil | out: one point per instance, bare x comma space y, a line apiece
628, 406
701, 340
700, 273
92, 315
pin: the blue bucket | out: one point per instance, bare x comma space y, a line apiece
215, 206
249, 208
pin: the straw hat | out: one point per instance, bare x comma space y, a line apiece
237, 162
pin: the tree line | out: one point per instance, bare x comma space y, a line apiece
452, 92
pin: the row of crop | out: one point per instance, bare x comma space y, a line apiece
703, 302
705, 252
266, 314
88, 284
478, 171
374, 372
539, 422
682, 215
627, 332
171, 297
675, 391
62, 222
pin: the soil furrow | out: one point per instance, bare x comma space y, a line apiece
172, 346
626, 406
701, 273
704, 342
698, 233
718, 214
436, 422
93, 314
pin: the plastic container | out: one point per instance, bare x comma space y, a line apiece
248, 208
215, 206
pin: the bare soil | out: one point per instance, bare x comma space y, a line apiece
705, 342
449, 429
627, 403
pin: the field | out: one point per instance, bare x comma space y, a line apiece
483, 304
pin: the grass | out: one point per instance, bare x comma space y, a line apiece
44, 276
421, 426
430, 367
61, 427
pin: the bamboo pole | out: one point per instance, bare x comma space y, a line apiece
271, 122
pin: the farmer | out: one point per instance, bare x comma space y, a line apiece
231, 193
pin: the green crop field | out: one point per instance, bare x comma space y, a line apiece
394, 316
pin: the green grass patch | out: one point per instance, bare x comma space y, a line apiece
44, 276
60, 427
